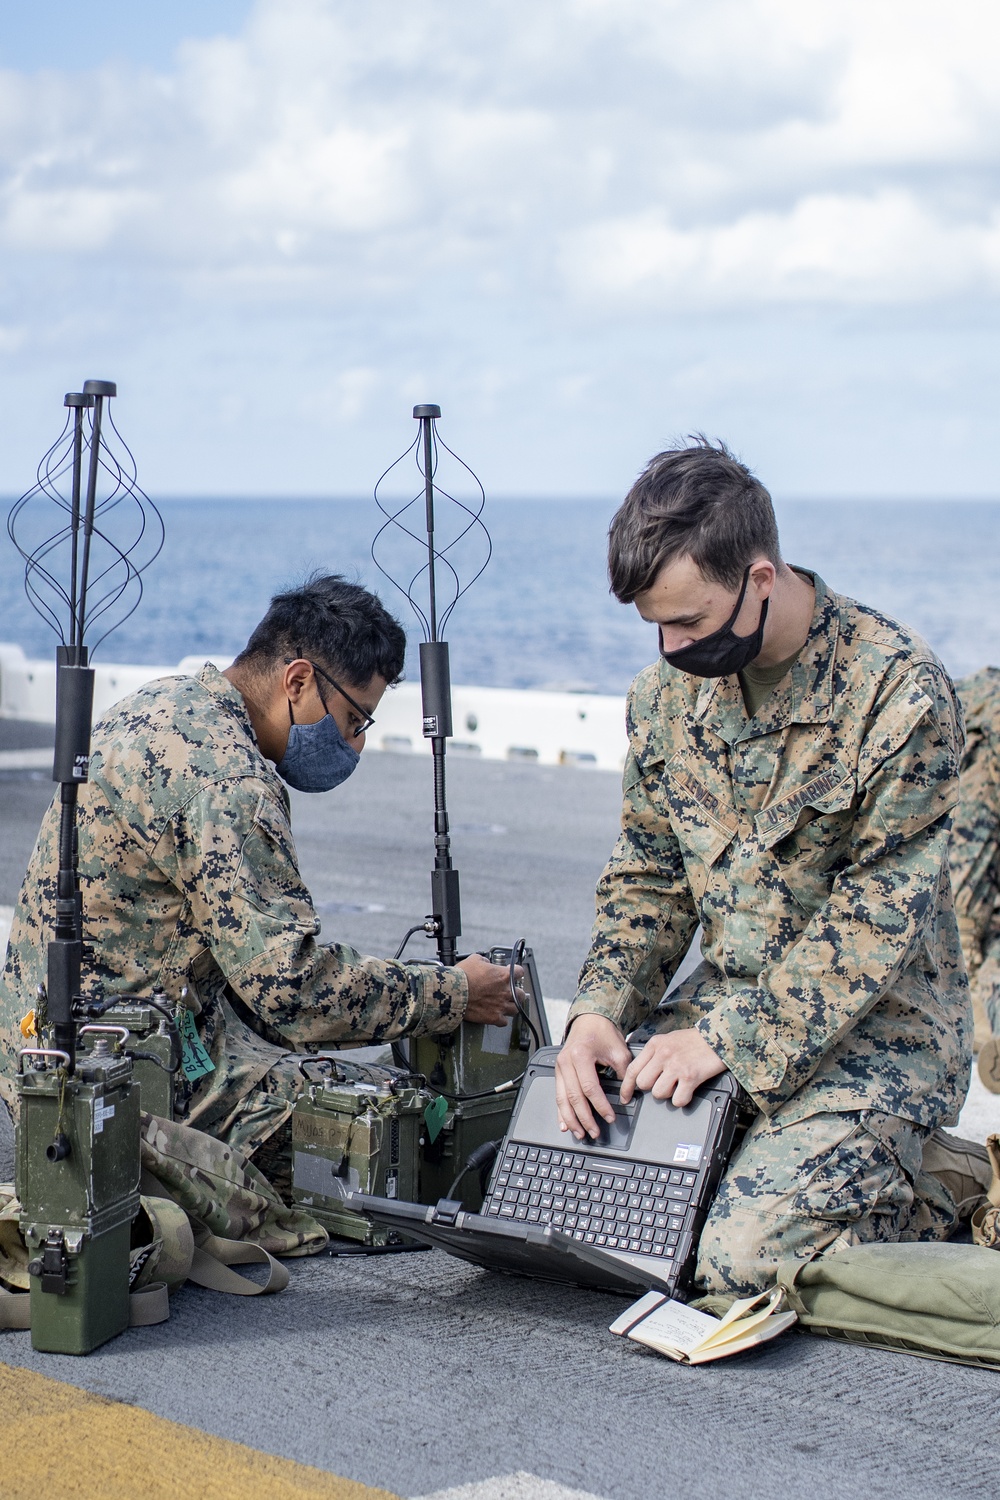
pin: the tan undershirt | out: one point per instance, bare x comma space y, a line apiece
757, 682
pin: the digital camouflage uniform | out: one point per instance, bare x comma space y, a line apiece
975, 847
190, 878
811, 844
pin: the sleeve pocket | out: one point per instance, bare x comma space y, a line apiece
892, 729
268, 875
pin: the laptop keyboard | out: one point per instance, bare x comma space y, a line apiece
617, 1205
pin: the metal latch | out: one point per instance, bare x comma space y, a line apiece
52, 1265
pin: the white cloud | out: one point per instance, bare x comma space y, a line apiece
502, 197
886, 247
491, 137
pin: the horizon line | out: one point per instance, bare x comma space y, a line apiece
562, 499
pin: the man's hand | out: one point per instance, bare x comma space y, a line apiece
672, 1066
490, 1001
592, 1040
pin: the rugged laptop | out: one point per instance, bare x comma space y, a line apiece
623, 1212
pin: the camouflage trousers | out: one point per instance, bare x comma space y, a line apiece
817, 1185
262, 1126
984, 983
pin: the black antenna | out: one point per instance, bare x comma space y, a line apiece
77, 569
445, 921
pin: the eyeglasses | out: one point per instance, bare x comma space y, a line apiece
366, 719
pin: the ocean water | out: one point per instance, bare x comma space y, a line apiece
540, 614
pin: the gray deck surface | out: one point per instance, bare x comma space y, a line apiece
418, 1372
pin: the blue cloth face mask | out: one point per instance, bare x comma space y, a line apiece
317, 758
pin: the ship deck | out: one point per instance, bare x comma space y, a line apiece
421, 1374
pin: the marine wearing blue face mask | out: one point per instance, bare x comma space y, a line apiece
317, 757
226, 918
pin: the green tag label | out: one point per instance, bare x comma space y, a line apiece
195, 1061
434, 1117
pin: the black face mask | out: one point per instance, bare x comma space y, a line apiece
722, 652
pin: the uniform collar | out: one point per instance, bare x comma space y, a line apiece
220, 687
804, 697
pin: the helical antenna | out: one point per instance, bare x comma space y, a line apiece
87, 533
433, 589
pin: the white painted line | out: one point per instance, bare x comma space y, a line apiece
26, 760
519, 1486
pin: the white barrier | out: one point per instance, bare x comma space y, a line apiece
580, 729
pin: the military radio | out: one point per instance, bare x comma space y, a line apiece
362, 1124
77, 1138
475, 1071
448, 1101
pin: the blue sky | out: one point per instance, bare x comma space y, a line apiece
65, 35
583, 228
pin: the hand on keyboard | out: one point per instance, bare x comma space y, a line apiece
671, 1066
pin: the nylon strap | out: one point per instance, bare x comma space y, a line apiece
15, 1309
144, 1308
213, 1256
148, 1305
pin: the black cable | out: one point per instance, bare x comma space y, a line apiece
516, 955
501, 1088
152, 1057
98, 1008
420, 927
376, 1073
483, 1156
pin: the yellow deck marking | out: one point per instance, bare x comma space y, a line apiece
57, 1439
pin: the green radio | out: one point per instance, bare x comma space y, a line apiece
409, 1131
78, 1184
357, 1135
474, 1072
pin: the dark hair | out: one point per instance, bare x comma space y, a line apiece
340, 624
698, 502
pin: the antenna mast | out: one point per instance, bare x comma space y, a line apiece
444, 923
435, 692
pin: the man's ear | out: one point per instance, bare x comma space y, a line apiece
762, 575
295, 678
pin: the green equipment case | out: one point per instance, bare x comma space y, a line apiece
146, 1031
468, 1124
349, 1134
78, 1185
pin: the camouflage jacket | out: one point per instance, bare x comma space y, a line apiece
975, 846
189, 878
811, 844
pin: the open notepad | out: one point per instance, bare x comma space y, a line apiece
693, 1337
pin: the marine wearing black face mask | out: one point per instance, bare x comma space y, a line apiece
789, 793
